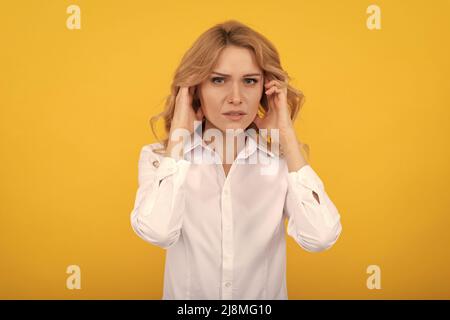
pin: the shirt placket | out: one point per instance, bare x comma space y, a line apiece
227, 242
227, 230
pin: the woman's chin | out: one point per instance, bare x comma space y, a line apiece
236, 126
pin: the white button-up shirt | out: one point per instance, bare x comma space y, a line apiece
225, 235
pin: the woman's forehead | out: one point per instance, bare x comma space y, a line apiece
255, 73
237, 61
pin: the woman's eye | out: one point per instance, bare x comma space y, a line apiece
213, 80
251, 79
247, 80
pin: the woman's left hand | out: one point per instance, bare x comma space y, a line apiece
278, 115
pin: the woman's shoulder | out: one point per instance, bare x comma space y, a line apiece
151, 152
153, 146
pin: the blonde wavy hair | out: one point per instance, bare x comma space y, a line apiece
198, 62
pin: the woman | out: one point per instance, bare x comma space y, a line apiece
222, 222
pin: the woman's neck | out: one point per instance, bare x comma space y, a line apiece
209, 125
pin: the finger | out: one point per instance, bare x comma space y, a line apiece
282, 92
270, 91
276, 83
272, 83
186, 95
277, 90
181, 92
187, 92
274, 90
269, 83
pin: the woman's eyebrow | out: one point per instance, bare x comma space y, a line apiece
245, 75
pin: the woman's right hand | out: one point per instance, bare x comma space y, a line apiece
184, 114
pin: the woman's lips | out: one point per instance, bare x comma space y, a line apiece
234, 116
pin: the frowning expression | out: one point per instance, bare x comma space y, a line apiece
231, 95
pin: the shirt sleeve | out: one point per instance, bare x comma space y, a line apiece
159, 207
314, 226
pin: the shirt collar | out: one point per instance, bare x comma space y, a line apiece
251, 143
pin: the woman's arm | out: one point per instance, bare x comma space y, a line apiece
313, 220
160, 201
294, 157
159, 206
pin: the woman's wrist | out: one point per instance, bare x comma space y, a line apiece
291, 150
174, 147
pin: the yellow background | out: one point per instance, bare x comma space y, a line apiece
75, 106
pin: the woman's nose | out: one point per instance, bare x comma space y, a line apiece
235, 97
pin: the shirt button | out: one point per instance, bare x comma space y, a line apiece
156, 163
227, 284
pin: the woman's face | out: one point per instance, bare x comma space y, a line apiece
235, 85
